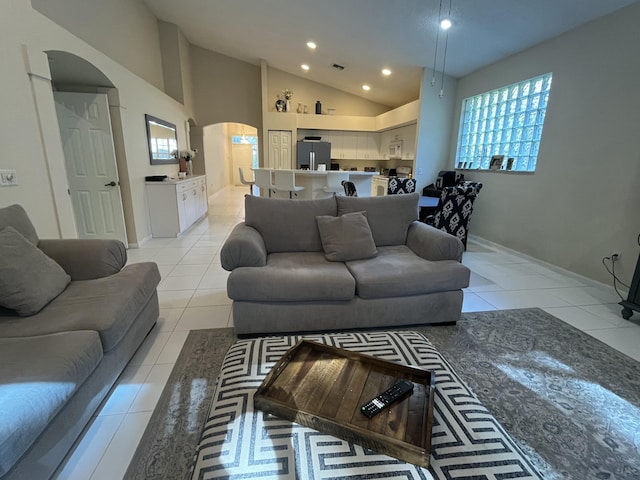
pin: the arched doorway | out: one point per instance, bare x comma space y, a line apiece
83, 97
227, 147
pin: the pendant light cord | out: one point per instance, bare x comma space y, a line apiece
444, 60
435, 55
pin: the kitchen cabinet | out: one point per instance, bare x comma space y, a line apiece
176, 205
368, 147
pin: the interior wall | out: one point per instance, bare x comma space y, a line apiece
217, 157
225, 89
581, 203
307, 92
21, 119
124, 30
434, 129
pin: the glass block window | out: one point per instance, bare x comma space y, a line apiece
501, 129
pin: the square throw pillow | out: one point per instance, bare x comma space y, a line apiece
28, 278
347, 237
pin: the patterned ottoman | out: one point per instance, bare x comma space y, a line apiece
237, 442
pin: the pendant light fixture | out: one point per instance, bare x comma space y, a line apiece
443, 24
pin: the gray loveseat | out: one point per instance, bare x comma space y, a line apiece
282, 281
62, 351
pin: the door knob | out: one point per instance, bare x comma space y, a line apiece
110, 184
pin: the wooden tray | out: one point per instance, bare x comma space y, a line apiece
323, 387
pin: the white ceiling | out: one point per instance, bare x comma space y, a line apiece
366, 35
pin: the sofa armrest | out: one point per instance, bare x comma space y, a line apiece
243, 248
86, 259
433, 244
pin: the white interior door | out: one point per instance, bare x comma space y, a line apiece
280, 149
85, 129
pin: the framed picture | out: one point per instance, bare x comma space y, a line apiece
496, 162
510, 164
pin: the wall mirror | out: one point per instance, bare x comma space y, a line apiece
162, 138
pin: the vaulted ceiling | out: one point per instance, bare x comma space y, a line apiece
365, 36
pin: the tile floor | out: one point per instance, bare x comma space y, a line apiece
193, 296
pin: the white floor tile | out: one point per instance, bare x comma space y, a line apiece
125, 390
473, 303
116, 458
579, 318
174, 298
522, 299
150, 349
184, 282
189, 270
626, 340
168, 319
214, 281
172, 348
150, 390
87, 454
209, 297
195, 318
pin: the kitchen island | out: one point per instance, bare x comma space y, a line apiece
314, 181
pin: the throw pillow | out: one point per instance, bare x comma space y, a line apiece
347, 237
28, 278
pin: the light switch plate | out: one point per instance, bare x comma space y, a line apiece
8, 178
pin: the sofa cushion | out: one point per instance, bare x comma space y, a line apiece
38, 375
28, 278
288, 225
107, 305
292, 277
347, 237
389, 216
15, 216
398, 272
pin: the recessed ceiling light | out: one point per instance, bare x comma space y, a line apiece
445, 24
366, 87
305, 67
386, 71
311, 45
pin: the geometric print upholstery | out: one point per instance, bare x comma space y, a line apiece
401, 185
454, 209
239, 442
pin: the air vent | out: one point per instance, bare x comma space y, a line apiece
337, 67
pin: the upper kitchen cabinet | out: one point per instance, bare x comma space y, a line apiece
368, 147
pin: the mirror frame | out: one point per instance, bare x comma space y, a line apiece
154, 160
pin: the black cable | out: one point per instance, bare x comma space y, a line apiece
613, 274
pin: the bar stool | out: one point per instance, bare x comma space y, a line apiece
334, 182
286, 182
263, 179
246, 182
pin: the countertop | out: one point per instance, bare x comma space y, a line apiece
175, 181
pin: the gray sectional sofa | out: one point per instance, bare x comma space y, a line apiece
71, 319
340, 263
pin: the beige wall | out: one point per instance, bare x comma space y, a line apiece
217, 157
225, 89
124, 30
581, 204
28, 112
307, 92
434, 129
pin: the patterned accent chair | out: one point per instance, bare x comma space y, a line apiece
454, 209
401, 185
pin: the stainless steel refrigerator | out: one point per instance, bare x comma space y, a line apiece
311, 154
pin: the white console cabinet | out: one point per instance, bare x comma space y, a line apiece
175, 205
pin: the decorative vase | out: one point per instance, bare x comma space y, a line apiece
287, 108
183, 165
299, 109
189, 167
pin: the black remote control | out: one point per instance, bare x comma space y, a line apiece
386, 398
